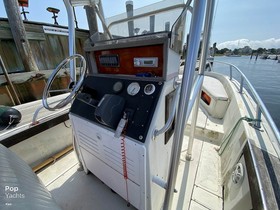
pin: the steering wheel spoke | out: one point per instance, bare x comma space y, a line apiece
73, 86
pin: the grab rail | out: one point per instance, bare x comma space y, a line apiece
171, 115
261, 108
36, 113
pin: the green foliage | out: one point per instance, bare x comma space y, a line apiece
246, 51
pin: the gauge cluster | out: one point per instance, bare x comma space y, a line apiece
134, 88
140, 99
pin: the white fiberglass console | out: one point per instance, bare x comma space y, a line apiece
124, 99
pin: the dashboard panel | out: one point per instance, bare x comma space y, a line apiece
140, 98
131, 61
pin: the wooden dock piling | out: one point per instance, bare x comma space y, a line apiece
19, 35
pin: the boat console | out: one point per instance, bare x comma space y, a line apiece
105, 100
126, 96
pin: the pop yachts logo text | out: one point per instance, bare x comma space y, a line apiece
13, 192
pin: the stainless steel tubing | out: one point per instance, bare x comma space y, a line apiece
195, 31
171, 115
71, 38
202, 65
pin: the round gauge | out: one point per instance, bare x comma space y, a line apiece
117, 87
149, 89
133, 88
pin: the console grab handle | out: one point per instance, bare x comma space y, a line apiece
167, 125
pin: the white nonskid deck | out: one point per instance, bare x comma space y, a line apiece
198, 182
74, 189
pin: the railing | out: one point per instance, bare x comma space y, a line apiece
147, 14
261, 108
168, 123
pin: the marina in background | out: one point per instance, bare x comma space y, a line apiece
264, 76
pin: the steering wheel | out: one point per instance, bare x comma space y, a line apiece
73, 87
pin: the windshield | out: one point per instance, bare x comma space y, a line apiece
158, 17
178, 32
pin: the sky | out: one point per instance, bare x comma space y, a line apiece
237, 23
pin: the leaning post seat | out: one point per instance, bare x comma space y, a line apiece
20, 188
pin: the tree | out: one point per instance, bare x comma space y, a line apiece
226, 50
273, 50
236, 51
261, 50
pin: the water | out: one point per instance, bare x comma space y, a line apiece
264, 75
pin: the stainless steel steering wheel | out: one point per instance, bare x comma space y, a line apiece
73, 88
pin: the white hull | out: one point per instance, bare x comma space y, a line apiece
157, 139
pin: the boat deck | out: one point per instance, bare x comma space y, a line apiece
198, 181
